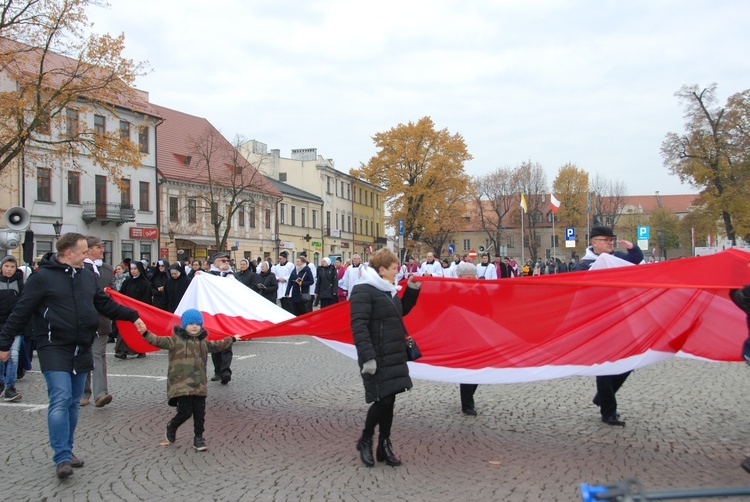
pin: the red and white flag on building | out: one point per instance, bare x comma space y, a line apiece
554, 203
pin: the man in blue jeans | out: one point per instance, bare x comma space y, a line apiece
62, 300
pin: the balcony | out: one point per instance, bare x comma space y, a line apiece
108, 212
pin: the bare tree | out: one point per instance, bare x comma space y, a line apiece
531, 181
607, 199
495, 196
232, 181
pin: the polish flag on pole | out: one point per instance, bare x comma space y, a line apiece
554, 203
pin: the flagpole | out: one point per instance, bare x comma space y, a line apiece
523, 261
554, 241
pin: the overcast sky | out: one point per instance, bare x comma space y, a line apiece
589, 82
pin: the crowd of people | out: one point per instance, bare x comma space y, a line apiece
72, 350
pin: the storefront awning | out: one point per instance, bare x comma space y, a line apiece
197, 242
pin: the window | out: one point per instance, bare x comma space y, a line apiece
43, 185
349, 223
303, 217
467, 244
342, 189
360, 196
361, 227
355, 225
510, 241
43, 247
377, 228
314, 218
99, 124
143, 196
377, 201
294, 216
74, 187
146, 252
282, 177
71, 122
282, 214
268, 218
143, 139
328, 185
100, 196
251, 216
124, 129
192, 211
348, 195
241, 216
328, 221
173, 208
127, 250
125, 192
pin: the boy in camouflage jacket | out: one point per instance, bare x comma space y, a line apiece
186, 376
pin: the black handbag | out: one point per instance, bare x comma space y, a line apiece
412, 350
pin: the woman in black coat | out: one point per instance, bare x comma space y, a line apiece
266, 283
298, 287
176, 286
158, 282
380, 338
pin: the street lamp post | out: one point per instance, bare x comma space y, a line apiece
660, 239
57, 225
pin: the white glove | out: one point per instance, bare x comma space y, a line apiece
370, 367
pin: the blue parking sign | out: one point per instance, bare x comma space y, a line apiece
570, 233
643, 233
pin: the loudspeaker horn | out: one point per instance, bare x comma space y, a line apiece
17, 218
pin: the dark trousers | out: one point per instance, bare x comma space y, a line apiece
380, 413
188, 406
302, 308
222, 362
606, 387
327, 302
467, 395
286, 304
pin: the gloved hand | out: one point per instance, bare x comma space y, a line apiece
317, 301
370, 367
412, 283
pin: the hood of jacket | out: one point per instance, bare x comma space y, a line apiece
369, 276
182, 333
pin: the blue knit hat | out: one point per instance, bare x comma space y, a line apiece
191, 316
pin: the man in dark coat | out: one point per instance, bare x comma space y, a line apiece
104, 278
136, 286
60, 287
602, 241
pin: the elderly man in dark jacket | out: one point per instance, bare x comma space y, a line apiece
602, 242
63, 301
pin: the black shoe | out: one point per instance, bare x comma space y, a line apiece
64, 469
364, 445
75, 461
216, 377
469, 411
596, 400
746, 464
20, 373
121, 356
140, 356
199, 443
11, 395
170, 435
225, 379
111, 340
384, 453
613, 420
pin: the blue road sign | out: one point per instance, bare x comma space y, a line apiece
643, 233
400, 226
451, 249
570, 233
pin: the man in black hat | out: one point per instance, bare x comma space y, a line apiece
602, 241
222, 360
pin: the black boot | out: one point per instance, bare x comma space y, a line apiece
384, 453
364, 445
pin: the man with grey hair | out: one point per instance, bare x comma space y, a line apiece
105, 276
466, 270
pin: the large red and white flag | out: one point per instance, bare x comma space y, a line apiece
600, 322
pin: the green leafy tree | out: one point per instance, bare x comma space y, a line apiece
420, 169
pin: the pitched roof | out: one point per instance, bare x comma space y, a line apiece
672, 203
177, 158
294, 191
23, 61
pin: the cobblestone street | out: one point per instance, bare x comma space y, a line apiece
286, 425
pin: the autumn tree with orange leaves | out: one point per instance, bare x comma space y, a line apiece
422, 172
49, 64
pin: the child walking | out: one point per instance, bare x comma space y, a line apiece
186, 376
